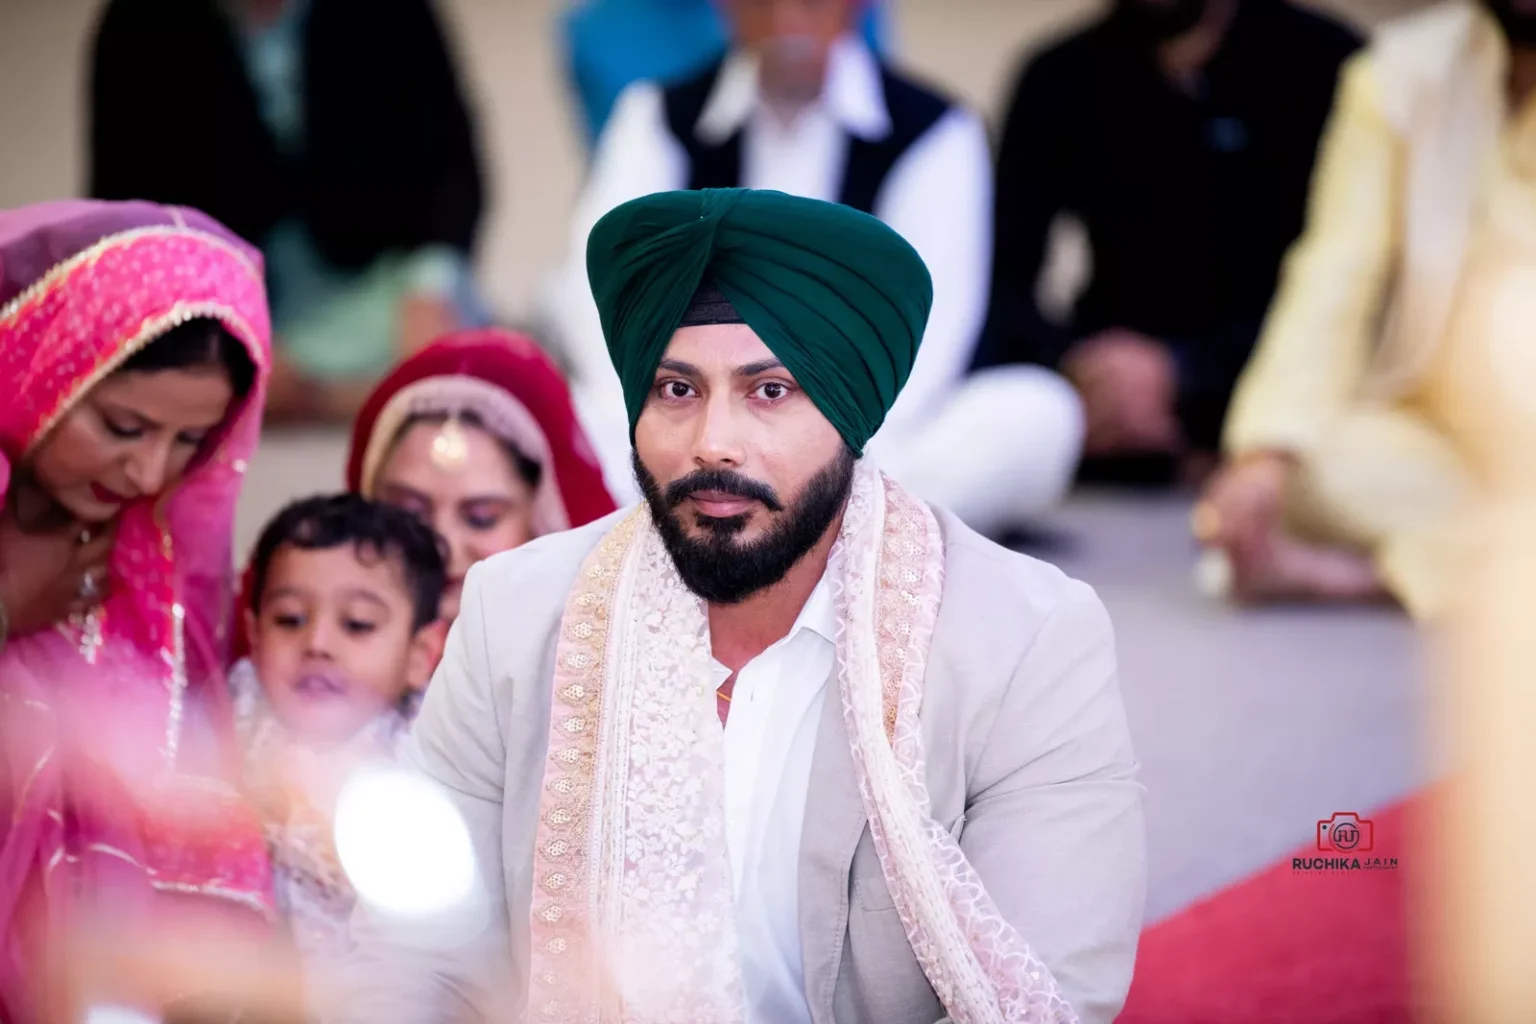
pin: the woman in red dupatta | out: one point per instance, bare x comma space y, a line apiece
114, 746
476, 434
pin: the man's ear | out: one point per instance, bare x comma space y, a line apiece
426, 651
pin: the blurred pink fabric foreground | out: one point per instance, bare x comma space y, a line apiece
114, 753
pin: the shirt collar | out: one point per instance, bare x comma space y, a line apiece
852, 94
817, 616
819, 613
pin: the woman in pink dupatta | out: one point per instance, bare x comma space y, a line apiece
114, 740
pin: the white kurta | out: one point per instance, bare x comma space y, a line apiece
770, 737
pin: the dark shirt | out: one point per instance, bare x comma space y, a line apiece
388, 161
1189, 201
913, 110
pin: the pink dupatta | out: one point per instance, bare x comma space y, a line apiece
114, 739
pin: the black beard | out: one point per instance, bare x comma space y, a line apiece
1160, 22
722, 569
1519, 25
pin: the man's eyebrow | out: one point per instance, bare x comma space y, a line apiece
678, 366
746, 370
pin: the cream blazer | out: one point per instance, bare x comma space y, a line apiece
1029, 763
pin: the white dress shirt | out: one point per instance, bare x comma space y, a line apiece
770, 738
938, 196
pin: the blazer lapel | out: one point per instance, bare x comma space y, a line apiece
834, 822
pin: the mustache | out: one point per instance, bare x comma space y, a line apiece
724, 481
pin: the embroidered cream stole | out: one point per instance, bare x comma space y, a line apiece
632, 913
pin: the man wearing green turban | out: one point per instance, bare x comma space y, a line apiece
838, 296
800, 104
783, 743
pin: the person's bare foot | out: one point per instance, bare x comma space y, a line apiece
1287, 569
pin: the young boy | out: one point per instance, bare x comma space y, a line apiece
342, 620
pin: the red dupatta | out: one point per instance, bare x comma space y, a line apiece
520, 395
115, 748
517, 391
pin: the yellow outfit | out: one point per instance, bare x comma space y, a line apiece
1399, 367
1396, 362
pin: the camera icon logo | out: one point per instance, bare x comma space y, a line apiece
1345, 832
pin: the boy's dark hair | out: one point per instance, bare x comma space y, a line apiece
329, 521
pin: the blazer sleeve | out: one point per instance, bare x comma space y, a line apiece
1054, 823
1317, 343
396, 974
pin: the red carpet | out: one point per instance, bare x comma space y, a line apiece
1286, 947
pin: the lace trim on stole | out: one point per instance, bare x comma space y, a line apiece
888, 601
632, 914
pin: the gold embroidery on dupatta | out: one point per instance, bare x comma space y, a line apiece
178, 682
562, 953
177, 655
151, 329
210, 889
910, 547
88, 256
216, 891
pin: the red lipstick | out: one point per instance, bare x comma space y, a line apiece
107, 496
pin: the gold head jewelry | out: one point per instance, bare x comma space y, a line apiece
450, 448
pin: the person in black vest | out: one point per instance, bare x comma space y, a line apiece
801, 105
332, 133
1181, 133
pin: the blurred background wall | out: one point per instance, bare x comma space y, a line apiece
509, 51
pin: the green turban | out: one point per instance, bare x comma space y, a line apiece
834, 293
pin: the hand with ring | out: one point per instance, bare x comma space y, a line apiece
1242, 504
